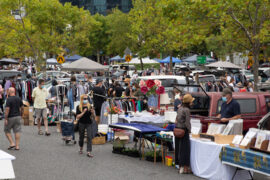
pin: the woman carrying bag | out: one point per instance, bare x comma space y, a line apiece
181, 132
85, 115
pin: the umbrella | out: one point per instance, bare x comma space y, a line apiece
223, 64
117, 58
84, 64
8, 61
167, 60
51, 61
193, 58
73, 58
146, 60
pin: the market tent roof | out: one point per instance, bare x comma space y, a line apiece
8, 61
193, 58
84, 64
73, 58
145, 60
117, 58
223, 64
51, 61
167, 60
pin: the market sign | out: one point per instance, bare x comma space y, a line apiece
128, 58
61, 59
201, 59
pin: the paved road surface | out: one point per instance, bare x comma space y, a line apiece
47, 158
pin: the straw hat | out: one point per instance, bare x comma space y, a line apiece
188, 98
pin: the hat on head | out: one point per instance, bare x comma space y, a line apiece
226, 91
188, 98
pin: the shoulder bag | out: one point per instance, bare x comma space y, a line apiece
178, 132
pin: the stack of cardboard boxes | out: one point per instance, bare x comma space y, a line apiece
28, 114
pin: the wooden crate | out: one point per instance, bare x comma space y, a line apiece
223, 139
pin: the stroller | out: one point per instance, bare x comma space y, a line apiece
67, 126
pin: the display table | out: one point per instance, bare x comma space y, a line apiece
6, 168
246, 159
205, 162
144, 117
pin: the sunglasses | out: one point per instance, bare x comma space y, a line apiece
85, 99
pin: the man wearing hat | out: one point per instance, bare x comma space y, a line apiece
230, 109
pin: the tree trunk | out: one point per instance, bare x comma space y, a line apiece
255, 69
98, 57
171, 64
141, 63
231, 58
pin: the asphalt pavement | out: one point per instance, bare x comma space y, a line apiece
48, 158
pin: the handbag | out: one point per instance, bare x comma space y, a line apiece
178, 132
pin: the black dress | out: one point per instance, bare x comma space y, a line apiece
98, 100
182, 145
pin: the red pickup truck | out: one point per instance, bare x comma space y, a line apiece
253, 107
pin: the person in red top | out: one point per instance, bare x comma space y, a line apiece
245, 88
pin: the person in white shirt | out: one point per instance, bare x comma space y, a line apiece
39, 96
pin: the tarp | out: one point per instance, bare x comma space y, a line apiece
223, 64
84, 64
167, 60
143, 128
51, 61
193, 58
117, 58
73, 58
145, 60
8, 61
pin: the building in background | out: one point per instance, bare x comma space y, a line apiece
101, 6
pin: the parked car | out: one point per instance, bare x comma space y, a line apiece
53, 74
10, 73
208, 105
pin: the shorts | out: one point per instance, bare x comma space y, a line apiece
97, 110
41, 113
13, 123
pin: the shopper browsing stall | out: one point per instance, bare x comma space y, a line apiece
230, 109
40, 95
84, 114
182, 145
98, 98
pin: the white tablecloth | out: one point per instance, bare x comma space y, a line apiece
6, 168
144, 117
205, 162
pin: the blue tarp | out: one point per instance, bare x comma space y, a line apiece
117, 58
144, 128
73, 58
167, 60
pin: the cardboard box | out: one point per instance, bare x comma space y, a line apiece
28, 118
120, 136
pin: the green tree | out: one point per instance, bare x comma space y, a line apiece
245, 24
45, 30
118, 30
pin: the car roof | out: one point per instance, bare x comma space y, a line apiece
163, 77
240, 94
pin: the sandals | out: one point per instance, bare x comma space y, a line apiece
11, 147
40, 132
89, 155
47, 134
80, 151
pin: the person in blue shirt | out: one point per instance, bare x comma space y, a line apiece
230, 109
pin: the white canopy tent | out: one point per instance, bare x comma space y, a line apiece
145, 60
84, 64
223, 64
